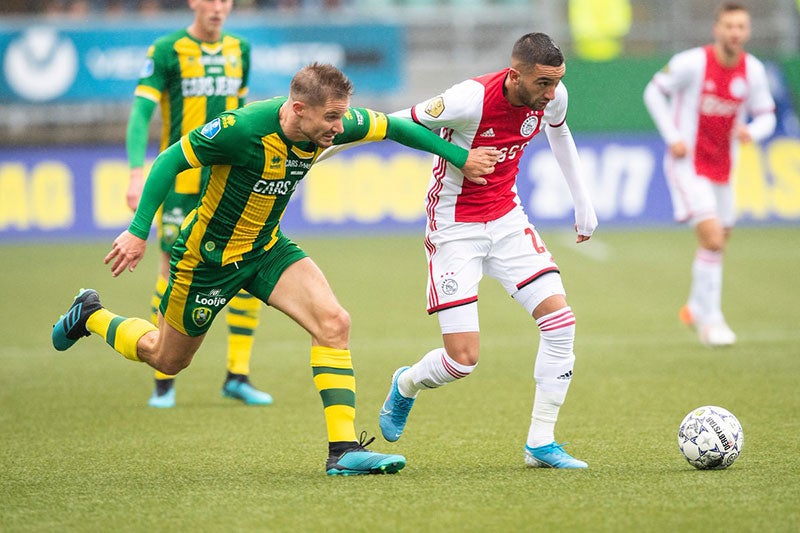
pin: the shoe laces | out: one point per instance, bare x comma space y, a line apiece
560, 447
363, 442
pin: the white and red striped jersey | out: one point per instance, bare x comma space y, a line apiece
699, 101
471, 114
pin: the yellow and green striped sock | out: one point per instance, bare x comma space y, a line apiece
120, 333
242, 319
334, 378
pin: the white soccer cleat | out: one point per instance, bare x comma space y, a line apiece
716, 335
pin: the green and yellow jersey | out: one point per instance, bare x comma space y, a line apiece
194, 81
254, 171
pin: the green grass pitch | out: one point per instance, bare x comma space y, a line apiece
81, 451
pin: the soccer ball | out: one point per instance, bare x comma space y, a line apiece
710, 438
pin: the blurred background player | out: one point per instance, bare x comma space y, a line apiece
194, 74
477, 228
699, 103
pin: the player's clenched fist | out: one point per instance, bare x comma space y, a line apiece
480, 162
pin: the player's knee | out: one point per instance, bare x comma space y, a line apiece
467, 355
716, 245
464, 349
335, 328
713, 241
711, 235
171, 367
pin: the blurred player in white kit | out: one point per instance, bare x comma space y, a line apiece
699, 103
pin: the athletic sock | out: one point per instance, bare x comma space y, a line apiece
553, 374
241, 378
120, 333
705, 295
435, 369
335, 380
543, 417
163, 386
242, 318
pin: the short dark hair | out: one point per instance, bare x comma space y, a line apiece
727, 7
537, 49
316, 83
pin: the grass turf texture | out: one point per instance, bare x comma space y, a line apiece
81, 451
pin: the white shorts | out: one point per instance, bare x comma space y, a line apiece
508, 249
696, 198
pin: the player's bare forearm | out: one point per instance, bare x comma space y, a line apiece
126, 252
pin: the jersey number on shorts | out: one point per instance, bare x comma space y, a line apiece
539, 247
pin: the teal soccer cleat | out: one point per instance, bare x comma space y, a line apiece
358, 461
166, 400
394, 412
551, 456
71, 326
241, 389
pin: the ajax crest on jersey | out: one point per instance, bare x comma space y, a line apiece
710, 438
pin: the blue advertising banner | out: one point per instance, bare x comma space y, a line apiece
52, 63
79, 193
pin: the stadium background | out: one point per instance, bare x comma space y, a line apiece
69, 70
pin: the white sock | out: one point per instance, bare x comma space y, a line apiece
435, 369
553, 374
544, 416
705, 295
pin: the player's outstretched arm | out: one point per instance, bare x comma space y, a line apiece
414, 135
563, 146
473, 163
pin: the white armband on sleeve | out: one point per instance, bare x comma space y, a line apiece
563, 146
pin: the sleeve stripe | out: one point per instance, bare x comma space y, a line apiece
559, 124
378, 127
148, 92
188, 152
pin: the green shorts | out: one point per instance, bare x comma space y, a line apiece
194, 297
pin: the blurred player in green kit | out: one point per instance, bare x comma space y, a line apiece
194, 74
